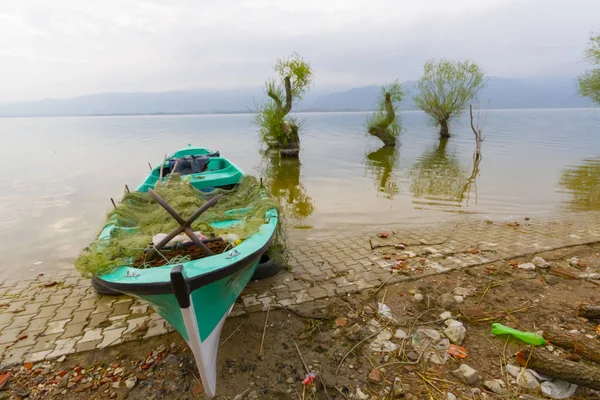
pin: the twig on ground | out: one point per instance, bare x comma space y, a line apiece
264, 331
429, 383
356, 345
232, 333
301, 358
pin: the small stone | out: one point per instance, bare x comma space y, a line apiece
62, 358
161, 348
450, 396
495, 386
360, 395
150, 361
447, 300
460, 291
412, 356
574, 262
400, 334
550, 348
459, 299
398, 390
417, 298
374, 376
118, 371
290, 380
116, 384
352, 315
140, 376
551, 279
455, 331
354, 329
130, 382
466, 374
527, 266
337, 333
400, 246
540, 262
446, 315
252, 395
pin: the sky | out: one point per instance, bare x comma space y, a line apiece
66, 48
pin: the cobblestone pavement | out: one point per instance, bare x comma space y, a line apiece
52, 316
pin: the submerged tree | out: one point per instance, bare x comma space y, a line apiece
445, 90
589, 81
385, 123
294, 77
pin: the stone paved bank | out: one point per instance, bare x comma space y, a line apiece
52, 316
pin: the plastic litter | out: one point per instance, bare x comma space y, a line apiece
457, 351
527, 337
558, 389
309, 378
384, 311
382, 342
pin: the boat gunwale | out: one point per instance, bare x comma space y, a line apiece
194, 282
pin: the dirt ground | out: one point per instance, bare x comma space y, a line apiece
334, 339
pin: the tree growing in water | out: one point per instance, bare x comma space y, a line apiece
445, 90
293, 79
385, 123
589, 81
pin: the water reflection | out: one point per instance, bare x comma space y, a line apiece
583, 183
438, 176
380, 164
283, 179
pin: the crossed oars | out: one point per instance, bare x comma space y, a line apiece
184, 225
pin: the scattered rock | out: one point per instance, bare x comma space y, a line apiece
574, 262
459, 299
62, 359
417, 298
374, 376
446, 315
466, 374
352, 315
290, 380
524, 377
161, 348
455, 331
360, 395
495, 386
540, 262
252, 395
551, 279
450, 396
398, 390
130, 382
460, 291
447, 301
527, 266
412, 356
400, 246
400, 334
115, 385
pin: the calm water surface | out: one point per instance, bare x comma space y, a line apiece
60, 173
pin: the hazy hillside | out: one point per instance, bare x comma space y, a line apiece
501, 92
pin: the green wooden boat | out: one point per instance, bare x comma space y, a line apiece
196, 297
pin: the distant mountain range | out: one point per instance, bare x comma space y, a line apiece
500, 92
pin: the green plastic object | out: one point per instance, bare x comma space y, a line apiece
527, 337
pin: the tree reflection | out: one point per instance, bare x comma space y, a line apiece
439, 176
380, 164
283, 179
583, 183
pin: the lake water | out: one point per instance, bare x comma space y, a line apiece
60, 173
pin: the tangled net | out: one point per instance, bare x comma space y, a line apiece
146, 218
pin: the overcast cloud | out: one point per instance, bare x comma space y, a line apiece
65, 48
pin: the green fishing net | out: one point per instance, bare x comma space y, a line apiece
146, 218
